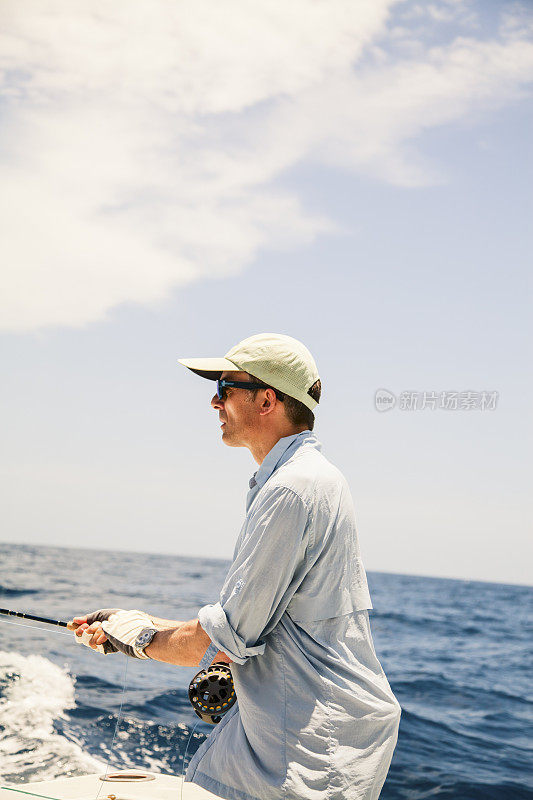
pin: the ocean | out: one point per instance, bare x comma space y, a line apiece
456, 653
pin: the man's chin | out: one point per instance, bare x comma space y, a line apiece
230, 440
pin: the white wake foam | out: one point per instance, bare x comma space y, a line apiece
34, 693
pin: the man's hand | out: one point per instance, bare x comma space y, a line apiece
111, 629
89, 631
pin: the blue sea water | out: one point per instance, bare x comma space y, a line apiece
457, 655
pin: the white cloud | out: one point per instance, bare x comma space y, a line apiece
141, 140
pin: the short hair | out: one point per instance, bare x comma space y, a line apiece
297, 412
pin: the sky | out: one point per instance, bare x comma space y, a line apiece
177, 176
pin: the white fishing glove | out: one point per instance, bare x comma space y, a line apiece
127, 631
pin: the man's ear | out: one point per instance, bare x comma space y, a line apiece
266, 404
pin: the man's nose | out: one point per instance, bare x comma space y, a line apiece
216, 402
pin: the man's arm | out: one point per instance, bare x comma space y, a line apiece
267, 569
181, 643
184, 646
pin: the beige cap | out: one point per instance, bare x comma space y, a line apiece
281, 361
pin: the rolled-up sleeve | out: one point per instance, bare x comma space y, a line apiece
265, 573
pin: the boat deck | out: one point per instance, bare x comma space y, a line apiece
89, 787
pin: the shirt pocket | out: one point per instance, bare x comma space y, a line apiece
315, 601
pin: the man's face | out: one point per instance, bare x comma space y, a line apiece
238, 413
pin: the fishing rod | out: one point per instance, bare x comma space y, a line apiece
211, 691
46, 621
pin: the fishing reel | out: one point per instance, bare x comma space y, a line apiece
212, 693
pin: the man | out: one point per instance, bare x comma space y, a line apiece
316, 718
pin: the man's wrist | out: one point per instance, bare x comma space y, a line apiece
150, 647
143, 640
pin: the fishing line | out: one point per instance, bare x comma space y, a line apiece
185, 756
32, 794
119, 715
35, 627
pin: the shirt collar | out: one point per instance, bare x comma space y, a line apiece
281, 452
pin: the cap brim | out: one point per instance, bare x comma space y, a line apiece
210, 368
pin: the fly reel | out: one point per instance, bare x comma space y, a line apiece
212, 693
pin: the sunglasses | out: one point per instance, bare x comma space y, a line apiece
223, 384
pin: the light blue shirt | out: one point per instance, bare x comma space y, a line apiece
316, 718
